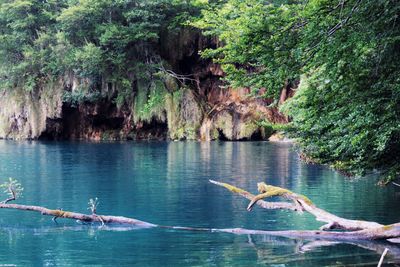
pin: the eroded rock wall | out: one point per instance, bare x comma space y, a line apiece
196, 108
235, 115
24, 115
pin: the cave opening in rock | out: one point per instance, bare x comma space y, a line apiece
102, 122
154, 129
53, 131
256, 136
222, 136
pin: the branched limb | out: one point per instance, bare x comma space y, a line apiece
301, 203
101, 220
261, 203
257, 198
271, 191
93, 203
59, 214
382, 257
13, 189
357, 230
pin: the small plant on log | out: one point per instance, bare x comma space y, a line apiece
13, 189
93, 203
348, 230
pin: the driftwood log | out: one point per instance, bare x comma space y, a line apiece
86, 218
350, 229
365, 234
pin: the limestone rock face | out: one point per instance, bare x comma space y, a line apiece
228, 115
236, 116
193, 109
25, 115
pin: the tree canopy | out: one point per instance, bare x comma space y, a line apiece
94, 39
345, 54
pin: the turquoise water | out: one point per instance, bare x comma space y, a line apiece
167, 183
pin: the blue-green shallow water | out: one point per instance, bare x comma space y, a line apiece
167, 183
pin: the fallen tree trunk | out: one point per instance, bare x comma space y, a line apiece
79, 216
381, 233
301, 203
356, 229
261, 203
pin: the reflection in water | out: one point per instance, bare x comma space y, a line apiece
167, 183
265, 247
300, 250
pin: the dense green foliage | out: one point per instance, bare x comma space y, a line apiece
98, 40
346, 111
258, 48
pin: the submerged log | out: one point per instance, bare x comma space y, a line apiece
381, 233
79, 216
261, 203
355, 229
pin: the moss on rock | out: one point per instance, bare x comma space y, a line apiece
184, 115
247, 129
224, 124
23, 114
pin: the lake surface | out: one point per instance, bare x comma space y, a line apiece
167, 183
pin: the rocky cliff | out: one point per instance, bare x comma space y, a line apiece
186, 100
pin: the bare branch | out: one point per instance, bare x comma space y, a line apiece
180, 77
13, 189
380, 233
333, 221
343, 22
382, 257
261, 203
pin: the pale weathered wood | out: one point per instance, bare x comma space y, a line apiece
360, 230
303, 203
382, 257
79, 216
356, 229
381, 233
261, 203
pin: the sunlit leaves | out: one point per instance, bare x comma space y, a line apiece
347, 109
89, 38
258, 44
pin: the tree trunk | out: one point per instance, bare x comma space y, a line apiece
355, 229
79, 216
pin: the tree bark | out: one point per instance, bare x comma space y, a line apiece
381, 233
356, 229
79, 216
